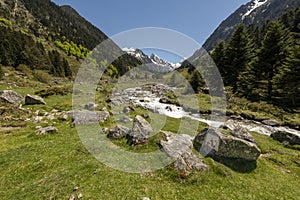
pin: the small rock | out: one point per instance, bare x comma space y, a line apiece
34, 100
128, 109
51, 117
75, 188
80, 196
118, 132
72, 197
47, 130
146, 116
124, 119
38, 127
90, 106
146, 198
103, 131
38, 119
65, 117
270, 122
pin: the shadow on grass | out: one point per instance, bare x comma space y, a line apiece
238, 165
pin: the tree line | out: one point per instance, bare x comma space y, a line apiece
263, 62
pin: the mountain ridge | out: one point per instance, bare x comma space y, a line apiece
270, 10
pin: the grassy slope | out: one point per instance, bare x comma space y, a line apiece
50, 166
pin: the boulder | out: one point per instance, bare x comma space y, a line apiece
83, 117
34, 100
179, 147
11, 97
270, 122
141, 131
47, 130
282, 136
118, 132
216, 144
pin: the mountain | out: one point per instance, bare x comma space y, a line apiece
43, 35
256, 12
154, 62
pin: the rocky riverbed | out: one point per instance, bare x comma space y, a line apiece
149, 98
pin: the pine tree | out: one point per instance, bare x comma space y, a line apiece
236, 57
218, 55
67, 69
271, 55
289, 75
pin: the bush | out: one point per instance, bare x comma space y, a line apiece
25, 70
1, 72
42, 76
55, 91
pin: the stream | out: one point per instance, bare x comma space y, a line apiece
150, 100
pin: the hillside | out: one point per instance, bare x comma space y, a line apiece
42, 35
256, 12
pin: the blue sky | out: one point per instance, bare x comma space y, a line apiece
194, 18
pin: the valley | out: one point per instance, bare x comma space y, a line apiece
148, 128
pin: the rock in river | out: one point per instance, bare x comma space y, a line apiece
282, 136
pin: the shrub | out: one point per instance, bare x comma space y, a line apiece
25, 70
42, 76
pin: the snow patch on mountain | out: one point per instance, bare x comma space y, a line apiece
254, 5
156, 62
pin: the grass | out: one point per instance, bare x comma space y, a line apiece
51, 166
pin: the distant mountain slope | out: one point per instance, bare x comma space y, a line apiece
155, 63
255, 12
47, 28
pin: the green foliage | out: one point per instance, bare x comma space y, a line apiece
64, 22
63, 90
42, 76
289, 74
112, 71
260, 62
60, 66
73, 49
17, 48
5, 22
1, 72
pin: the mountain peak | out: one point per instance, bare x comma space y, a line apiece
157, 64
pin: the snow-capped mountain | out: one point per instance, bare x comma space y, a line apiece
154, 62
254, 12
254, 5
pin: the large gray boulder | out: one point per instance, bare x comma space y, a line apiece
118, 132
83, 117
282, 136
179, 148
11, 97
141, 131
221, 145
34, 100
